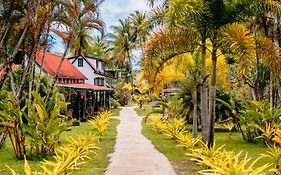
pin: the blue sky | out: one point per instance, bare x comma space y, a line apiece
111, 12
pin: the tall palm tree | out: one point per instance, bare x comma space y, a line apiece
187, 14
123, 40
265, 15
77, 18
140, 27
210, 19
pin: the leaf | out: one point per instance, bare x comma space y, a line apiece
40, 112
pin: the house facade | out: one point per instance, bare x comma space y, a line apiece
86, 92
94, 69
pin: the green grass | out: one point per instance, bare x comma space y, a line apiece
144, 110
181, 162
131, 103
115, 111
175, 154
96, 165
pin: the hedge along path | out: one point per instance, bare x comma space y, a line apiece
133, 153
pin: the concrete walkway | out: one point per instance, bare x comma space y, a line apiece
133, 153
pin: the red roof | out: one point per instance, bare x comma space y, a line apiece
87, 86
51, 64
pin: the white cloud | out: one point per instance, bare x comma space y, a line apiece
113, 10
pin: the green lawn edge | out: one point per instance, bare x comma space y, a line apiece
183, 165
96, 165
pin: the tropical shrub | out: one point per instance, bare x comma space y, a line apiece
114, 103
277, 136
174, 128
200, 154
158, 125
11, 117
67, 158
141, 99
219, 161
45, 123
101, 121
230, 163
122, 93
274, 154
259, 121
186, 141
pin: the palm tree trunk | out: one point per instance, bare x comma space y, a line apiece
271, 91
31, 79
4, 135
131, 69
195, 121
9, 72
29, 64
204, 95
212, 96
57, 72
10, 60
44, 55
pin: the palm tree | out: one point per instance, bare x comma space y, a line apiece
140, 27
78, 18
123, 41
213, 20
265, 14
180, 15
100, 47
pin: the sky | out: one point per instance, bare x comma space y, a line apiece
111, 12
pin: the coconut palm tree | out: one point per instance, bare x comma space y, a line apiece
100, 47
77, 18
140, 27
123, 41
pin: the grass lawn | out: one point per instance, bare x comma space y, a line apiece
97, 165
184, 166
144, 110
115, 111
131, 103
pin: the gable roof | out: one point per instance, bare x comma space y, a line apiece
96, 70
51, 64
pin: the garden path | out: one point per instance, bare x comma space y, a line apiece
133, 153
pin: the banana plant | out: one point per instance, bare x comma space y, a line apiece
46, 123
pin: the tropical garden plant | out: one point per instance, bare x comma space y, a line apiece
101, 122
